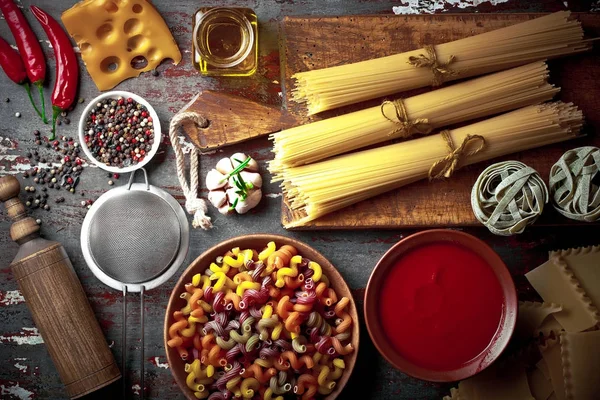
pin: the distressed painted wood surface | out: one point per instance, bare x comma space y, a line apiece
26, 371
319, 42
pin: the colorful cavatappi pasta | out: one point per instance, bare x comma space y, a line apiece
262, 325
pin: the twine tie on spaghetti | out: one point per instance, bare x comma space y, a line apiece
449, 163
430, 60
193, 204
573, 189
406, 126
508, 196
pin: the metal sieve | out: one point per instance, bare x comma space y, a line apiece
134, 238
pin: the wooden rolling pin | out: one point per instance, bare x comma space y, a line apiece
57, 302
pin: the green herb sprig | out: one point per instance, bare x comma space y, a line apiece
235, 202
238, 169
238, 181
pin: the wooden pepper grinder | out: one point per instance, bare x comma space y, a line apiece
57, 302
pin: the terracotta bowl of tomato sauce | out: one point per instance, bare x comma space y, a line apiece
441, 305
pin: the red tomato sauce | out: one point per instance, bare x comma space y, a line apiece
441, 306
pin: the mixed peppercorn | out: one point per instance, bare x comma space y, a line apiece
57, 170
119, 132
51, 176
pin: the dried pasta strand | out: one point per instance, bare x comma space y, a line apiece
477, 98
320, 188
546, 37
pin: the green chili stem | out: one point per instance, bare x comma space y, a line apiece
55, 112
41, 90
28, 90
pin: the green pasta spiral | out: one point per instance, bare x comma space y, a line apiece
252, 342
299, 344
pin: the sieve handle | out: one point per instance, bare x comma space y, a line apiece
57, 302
132, 178
124, 342
142, 373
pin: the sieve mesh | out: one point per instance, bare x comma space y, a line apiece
134, 236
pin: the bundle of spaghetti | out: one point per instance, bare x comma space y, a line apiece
481, 97
317, 189
546, 37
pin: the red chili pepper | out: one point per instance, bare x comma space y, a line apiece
29, 48
11, 63
67, 67
13, 66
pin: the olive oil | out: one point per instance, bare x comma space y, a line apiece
225, 41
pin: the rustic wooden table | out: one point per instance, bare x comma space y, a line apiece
26, 371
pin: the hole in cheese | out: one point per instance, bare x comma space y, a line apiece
139, 62
136, 42
137, 8
132, 26
85, 47
110, 64
104, 31
154, 54
111, 7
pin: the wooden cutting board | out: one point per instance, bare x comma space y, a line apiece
317, 42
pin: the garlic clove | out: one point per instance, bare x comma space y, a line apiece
241, 157
232, 195
247, 177
252, 177
224, 166
225, 210
217, 198
231, 182
215, 180
252, 166
243, 206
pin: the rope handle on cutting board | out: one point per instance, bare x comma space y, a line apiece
193, 204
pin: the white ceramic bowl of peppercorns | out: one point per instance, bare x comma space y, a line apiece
119, 131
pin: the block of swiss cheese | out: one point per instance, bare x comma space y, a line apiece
114, 35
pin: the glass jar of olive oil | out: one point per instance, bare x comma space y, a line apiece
224, 41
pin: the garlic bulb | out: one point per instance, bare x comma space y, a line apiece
239, 192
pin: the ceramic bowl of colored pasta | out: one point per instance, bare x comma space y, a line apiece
440, 305
261, 317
